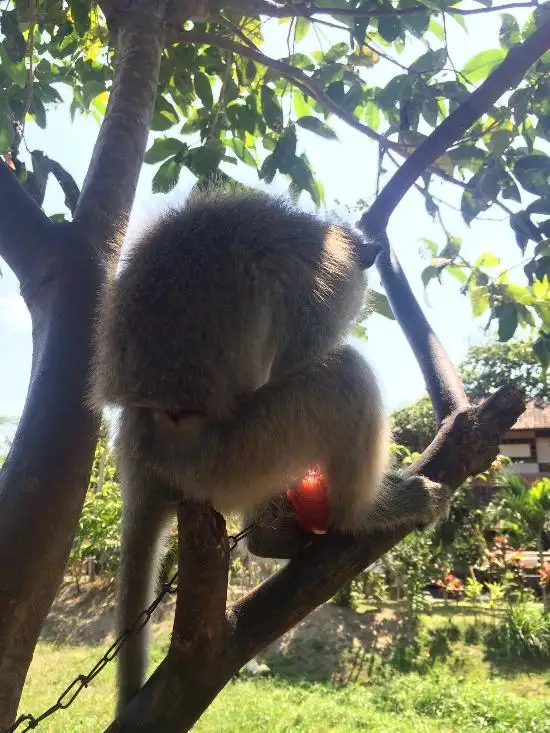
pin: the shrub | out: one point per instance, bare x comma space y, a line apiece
524, 633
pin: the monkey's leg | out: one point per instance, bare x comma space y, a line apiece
412, 501
326, 412
142, 525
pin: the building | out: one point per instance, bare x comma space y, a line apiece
527, 444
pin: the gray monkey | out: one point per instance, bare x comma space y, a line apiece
221, 340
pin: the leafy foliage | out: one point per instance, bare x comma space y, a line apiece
221, 104
524, 633
525, 507
97, 538
489, 366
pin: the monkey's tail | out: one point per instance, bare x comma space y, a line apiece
141, 547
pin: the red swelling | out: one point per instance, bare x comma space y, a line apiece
310, 501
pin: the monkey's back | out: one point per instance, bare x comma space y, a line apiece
220, 294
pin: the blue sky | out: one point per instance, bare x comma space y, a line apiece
347, 168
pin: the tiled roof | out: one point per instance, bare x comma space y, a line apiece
535, 417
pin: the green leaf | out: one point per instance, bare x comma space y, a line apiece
487, 259
272, 112
250, 71
285, 150
381, 304
80, 10
390, 27
541, 348
165, 115
163, 148
6, 126
302, 28
203, 89
429, 273
533, 173
507, 321
167, 176
336, 52
314, 124
478, 300
14, 41
301, 107
431, 62
509, 34
15, 70
302, 180
480, 66
372, 115
243, 152
268, 169
204, 161
458, 273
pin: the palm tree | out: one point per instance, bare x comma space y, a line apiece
527, 509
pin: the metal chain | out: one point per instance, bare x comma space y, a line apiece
70, 693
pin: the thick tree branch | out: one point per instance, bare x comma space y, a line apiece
24, 229
444, 386
506, 76
200, 630
465, 444
44, 480
292, 10
442, 381
108, 192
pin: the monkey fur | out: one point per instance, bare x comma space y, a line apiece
221, 340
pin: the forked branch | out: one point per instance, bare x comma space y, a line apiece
24, 230
442, 382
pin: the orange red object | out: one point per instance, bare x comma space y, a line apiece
309, 499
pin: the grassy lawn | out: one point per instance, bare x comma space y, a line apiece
457, 689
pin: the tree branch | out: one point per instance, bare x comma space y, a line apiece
507, 75
200, 630
308, 86
24, 229
292, 73
107, 195
465, 444
443, 384
442, 381
265, 7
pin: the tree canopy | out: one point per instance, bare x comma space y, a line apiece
221, 100
199, 77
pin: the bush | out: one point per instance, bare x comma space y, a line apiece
96, 546
524, 633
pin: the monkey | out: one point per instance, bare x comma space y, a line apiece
222, 341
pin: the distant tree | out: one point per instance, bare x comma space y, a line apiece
485, 368
414, 425
488, 366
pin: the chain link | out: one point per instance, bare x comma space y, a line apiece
70, 693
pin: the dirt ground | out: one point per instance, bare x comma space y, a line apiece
316, 646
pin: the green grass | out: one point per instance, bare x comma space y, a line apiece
455, 692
